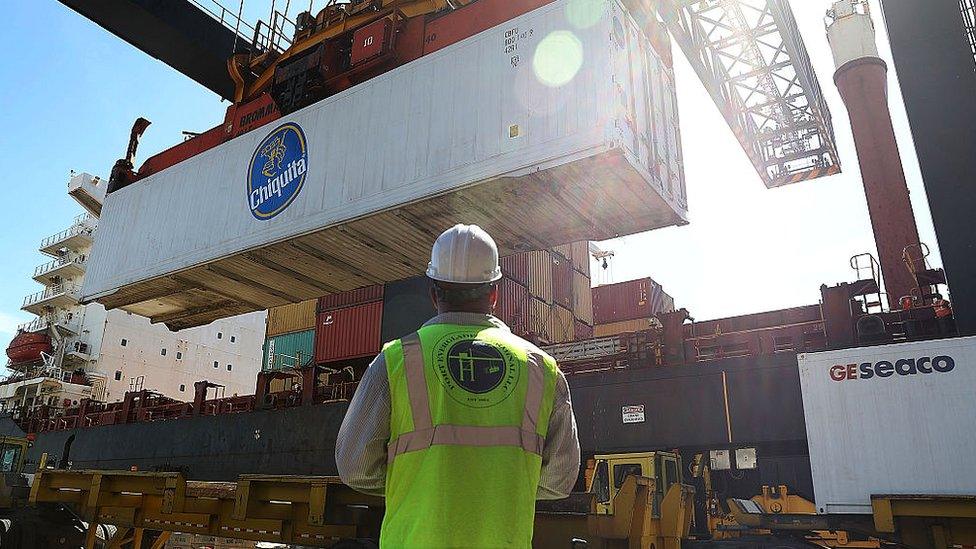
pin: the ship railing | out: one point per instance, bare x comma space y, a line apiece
37, 325
337, 392
49, 292
82, 223
588, 349
58, 263
268, 37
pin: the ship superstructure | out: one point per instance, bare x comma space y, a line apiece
73, 351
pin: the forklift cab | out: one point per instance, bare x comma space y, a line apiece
611, 470
13, 450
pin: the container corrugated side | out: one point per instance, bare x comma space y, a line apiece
448, 121
581, 257
564, 251
540, 275
295, 317
562, 281
351, 297
516, 267
623, 301
892, 419
622, 327
582, 330
563, 329
513, 305
582, 298
352, 332
540, 320
289, 350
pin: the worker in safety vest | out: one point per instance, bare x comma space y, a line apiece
461, 425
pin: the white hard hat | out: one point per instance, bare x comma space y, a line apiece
464, 254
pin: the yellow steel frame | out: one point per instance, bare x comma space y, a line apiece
279, 509
940, 522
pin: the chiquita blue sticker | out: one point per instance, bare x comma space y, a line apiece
277, 171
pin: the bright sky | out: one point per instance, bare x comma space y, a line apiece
72, 91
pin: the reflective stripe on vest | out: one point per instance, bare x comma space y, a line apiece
426, 434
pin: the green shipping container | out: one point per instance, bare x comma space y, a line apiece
288, 350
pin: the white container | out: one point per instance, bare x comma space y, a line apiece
875, 427
544, 98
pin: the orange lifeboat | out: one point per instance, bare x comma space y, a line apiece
27, 347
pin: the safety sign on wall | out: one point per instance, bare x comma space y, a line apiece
633, 414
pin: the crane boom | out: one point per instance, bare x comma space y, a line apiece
755, 66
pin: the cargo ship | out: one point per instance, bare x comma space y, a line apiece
734, 389
73, 351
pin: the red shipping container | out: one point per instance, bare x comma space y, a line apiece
516, 267
562, 281
582, 330
352, 297
351, 332
624, 301
371, 41
513, 305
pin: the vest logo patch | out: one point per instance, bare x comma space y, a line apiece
474, 372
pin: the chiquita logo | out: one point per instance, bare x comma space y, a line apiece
277, 171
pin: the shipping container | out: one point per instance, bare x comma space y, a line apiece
352, 297
581, 257
540, 320
562, 281
563, 329
582, 298
292, 350
516, 267
406, 306
623, 301
513, 306
622, 327
352, 332
892, 419
540, 275
294, 317
564, 251
352, 190
582, 330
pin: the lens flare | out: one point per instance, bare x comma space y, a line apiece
557, 59
583, 14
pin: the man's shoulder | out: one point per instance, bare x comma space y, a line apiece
533, 349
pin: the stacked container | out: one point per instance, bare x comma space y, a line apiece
543, 296
295, 317
349, 325
558, 307
289, 337
628, 306
292, 350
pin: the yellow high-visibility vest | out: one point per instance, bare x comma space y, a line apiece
470, 409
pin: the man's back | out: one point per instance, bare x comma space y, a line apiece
479, 424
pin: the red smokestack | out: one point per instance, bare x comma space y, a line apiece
862, 78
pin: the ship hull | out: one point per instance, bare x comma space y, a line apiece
684, 406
